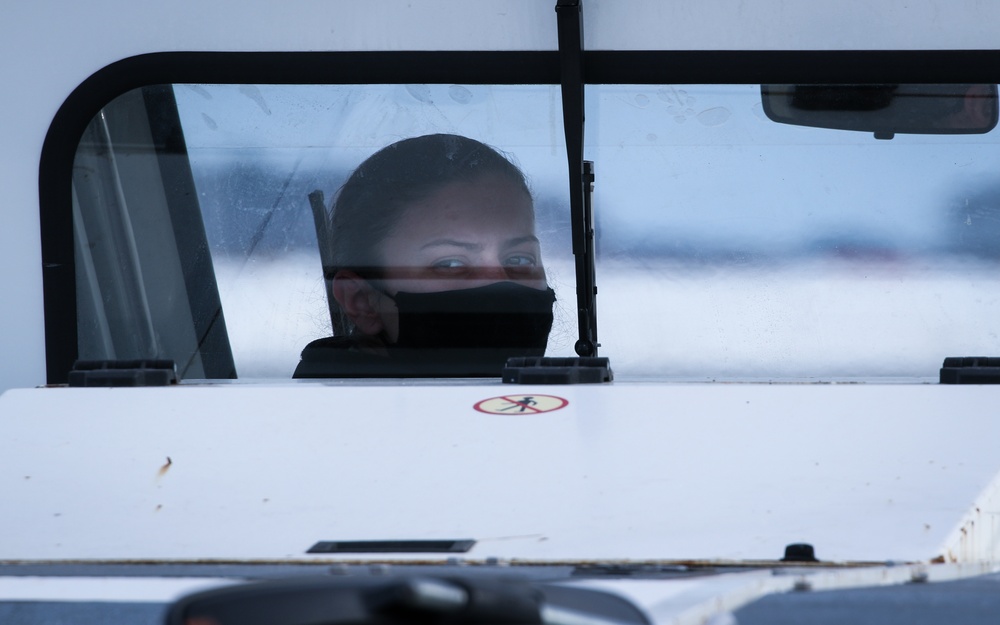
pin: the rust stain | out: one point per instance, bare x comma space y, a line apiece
165, 467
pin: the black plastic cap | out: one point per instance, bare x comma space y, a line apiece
799, 552
971, 370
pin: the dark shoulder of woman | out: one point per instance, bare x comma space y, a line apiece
337, 357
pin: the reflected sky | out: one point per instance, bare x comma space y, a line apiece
702, 167
258, 150
679, 168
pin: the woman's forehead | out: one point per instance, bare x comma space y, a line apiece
485, 205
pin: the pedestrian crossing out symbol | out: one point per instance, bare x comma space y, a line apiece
521, 404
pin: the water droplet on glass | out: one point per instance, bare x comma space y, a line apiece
460, 94
675, 97
641, 100
203, 92
421, 93
209, 122
254, 94
714, 117
651, 137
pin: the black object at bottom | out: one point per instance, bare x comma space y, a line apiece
106, 373
430, 600
594, 370
971, 370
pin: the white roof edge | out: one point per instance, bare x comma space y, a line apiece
976, 538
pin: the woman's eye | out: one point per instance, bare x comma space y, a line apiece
449, 263
520, 260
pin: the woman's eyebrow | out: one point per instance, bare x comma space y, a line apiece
452, 243
519, 240
509, 243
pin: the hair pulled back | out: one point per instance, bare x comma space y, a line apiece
377, 193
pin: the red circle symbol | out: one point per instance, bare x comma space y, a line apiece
521, 404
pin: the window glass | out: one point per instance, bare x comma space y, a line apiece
257, 152
740, 247
729, 245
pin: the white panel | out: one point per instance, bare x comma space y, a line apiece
790, 25
641, 472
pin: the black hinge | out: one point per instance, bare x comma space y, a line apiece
971, 370
123, 373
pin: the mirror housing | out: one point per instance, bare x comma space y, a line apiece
885, 109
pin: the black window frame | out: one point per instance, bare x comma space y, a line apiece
426, 67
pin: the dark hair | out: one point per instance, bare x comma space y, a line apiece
379, 190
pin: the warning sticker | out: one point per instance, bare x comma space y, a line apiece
521, 404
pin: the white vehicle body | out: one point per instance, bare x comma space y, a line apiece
141, 495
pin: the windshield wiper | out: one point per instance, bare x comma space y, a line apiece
588, 368
581, 172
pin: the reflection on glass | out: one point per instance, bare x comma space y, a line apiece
259, 151
728, 245
750, 249
145, 287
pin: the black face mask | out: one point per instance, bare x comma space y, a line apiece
500, 316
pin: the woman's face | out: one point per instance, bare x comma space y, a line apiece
465, 235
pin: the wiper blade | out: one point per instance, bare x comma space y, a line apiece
581, 172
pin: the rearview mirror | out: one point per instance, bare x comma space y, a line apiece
885, 110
